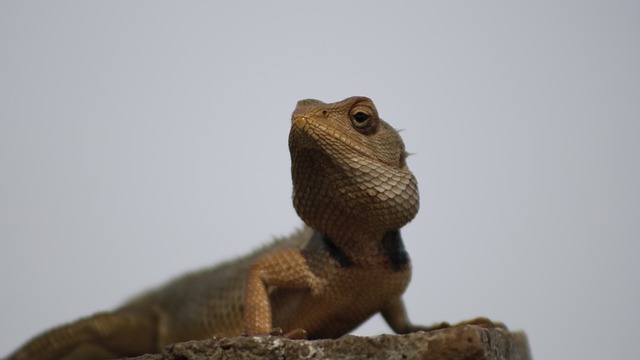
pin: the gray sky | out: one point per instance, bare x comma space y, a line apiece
140, 140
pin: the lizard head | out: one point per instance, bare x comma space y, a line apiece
350, 177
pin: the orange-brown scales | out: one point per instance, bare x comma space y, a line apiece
354, 191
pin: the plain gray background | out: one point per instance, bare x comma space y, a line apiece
140, 140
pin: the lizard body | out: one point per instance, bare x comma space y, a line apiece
354, 191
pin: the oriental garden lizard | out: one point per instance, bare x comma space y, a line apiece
353, 190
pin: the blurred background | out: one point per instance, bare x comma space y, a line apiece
140, 140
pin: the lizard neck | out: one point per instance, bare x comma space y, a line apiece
388, 250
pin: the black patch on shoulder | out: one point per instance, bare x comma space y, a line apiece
395, 251
336, 253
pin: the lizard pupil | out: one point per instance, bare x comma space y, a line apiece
360, 118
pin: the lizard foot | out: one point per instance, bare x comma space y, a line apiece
295, 334
483, 322
437, 326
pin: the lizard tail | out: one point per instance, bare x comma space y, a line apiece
100, 336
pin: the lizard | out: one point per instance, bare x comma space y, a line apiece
353, 190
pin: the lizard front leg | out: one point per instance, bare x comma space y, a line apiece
396, 316
284, 269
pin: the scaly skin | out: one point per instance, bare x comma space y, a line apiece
352, 188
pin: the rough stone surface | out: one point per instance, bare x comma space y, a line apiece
459, 342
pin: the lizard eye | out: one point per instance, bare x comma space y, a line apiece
364, 118
361, 119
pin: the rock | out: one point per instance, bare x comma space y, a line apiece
458, 342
